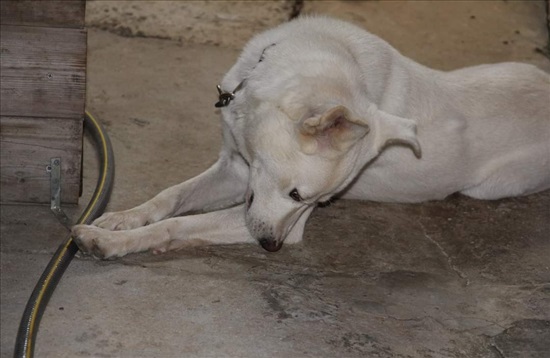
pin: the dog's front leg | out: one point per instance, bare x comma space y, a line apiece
219, 227
222, 185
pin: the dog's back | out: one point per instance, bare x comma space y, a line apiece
484, 130
508, 107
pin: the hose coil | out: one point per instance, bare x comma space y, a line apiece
36, 305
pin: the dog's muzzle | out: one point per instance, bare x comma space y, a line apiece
270, 244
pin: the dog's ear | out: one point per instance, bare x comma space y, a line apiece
336, 129
392, 129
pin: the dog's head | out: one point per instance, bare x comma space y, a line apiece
306, 134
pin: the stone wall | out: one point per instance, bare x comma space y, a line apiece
457, 33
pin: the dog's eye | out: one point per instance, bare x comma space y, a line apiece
295, 195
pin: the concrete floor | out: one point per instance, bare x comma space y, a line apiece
457, 278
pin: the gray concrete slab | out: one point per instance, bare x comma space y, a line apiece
457, 278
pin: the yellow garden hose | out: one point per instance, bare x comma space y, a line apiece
28, 328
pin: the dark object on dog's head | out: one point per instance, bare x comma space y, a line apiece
262, 56
224, 98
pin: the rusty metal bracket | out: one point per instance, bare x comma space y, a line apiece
55, 192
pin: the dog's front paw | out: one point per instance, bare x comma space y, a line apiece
98, 242
122, 220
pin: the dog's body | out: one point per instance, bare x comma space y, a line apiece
322, 108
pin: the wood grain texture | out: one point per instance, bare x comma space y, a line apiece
26, 146
43, 13
43, 72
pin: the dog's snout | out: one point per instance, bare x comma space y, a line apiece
249, 200
270, 244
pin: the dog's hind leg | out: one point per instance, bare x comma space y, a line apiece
222, 185
219, 227
520, 173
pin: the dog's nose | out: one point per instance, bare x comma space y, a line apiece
270, 244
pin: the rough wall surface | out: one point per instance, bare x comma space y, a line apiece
227, 23
458, 33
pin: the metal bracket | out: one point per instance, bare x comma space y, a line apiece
55, 191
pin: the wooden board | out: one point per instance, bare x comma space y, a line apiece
43, 13
43, 90
26, 146
43, 72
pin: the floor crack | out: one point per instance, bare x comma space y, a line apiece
498, 350
452, 266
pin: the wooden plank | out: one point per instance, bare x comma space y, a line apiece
43, 13
26, 146
43, 72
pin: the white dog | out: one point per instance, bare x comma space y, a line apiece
317, 108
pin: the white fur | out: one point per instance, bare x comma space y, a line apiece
333, 110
